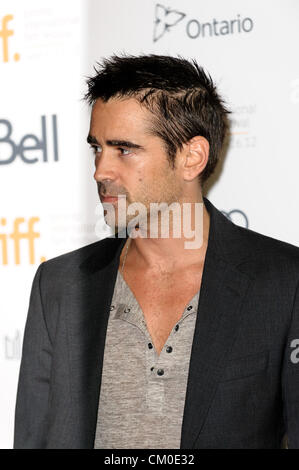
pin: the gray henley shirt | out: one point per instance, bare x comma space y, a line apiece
142, 393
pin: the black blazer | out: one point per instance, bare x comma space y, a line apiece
243, 384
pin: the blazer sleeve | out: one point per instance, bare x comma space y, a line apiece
34, 376
290, 379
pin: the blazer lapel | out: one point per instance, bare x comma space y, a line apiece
218, 319
88, 310
222, 293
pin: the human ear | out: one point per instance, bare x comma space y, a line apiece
196, 157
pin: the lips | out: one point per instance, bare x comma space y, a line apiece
108, 198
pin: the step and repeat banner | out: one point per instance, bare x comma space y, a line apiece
48, 199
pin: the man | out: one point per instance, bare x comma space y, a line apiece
138, 341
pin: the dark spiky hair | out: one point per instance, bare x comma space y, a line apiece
180, 94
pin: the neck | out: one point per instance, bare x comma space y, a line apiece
170, 254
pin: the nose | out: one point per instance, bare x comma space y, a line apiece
104, 167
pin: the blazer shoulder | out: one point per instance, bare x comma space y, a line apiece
272, 251
69, 263
243, 246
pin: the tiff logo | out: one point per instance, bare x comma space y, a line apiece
29, 234
5, 33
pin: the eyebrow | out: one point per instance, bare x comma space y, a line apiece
114, 143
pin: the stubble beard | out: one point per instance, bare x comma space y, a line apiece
168, 190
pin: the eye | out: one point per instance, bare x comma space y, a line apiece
96, 148
123, 151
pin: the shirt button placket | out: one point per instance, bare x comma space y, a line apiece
150, 354
155, 387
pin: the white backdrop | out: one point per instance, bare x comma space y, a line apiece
47, 195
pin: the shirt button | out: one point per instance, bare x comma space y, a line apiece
160, 371
152, 368
150, 345
176, 327
189, 308
126, 310
112, 307
169, 349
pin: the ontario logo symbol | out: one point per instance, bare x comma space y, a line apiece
165, 19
